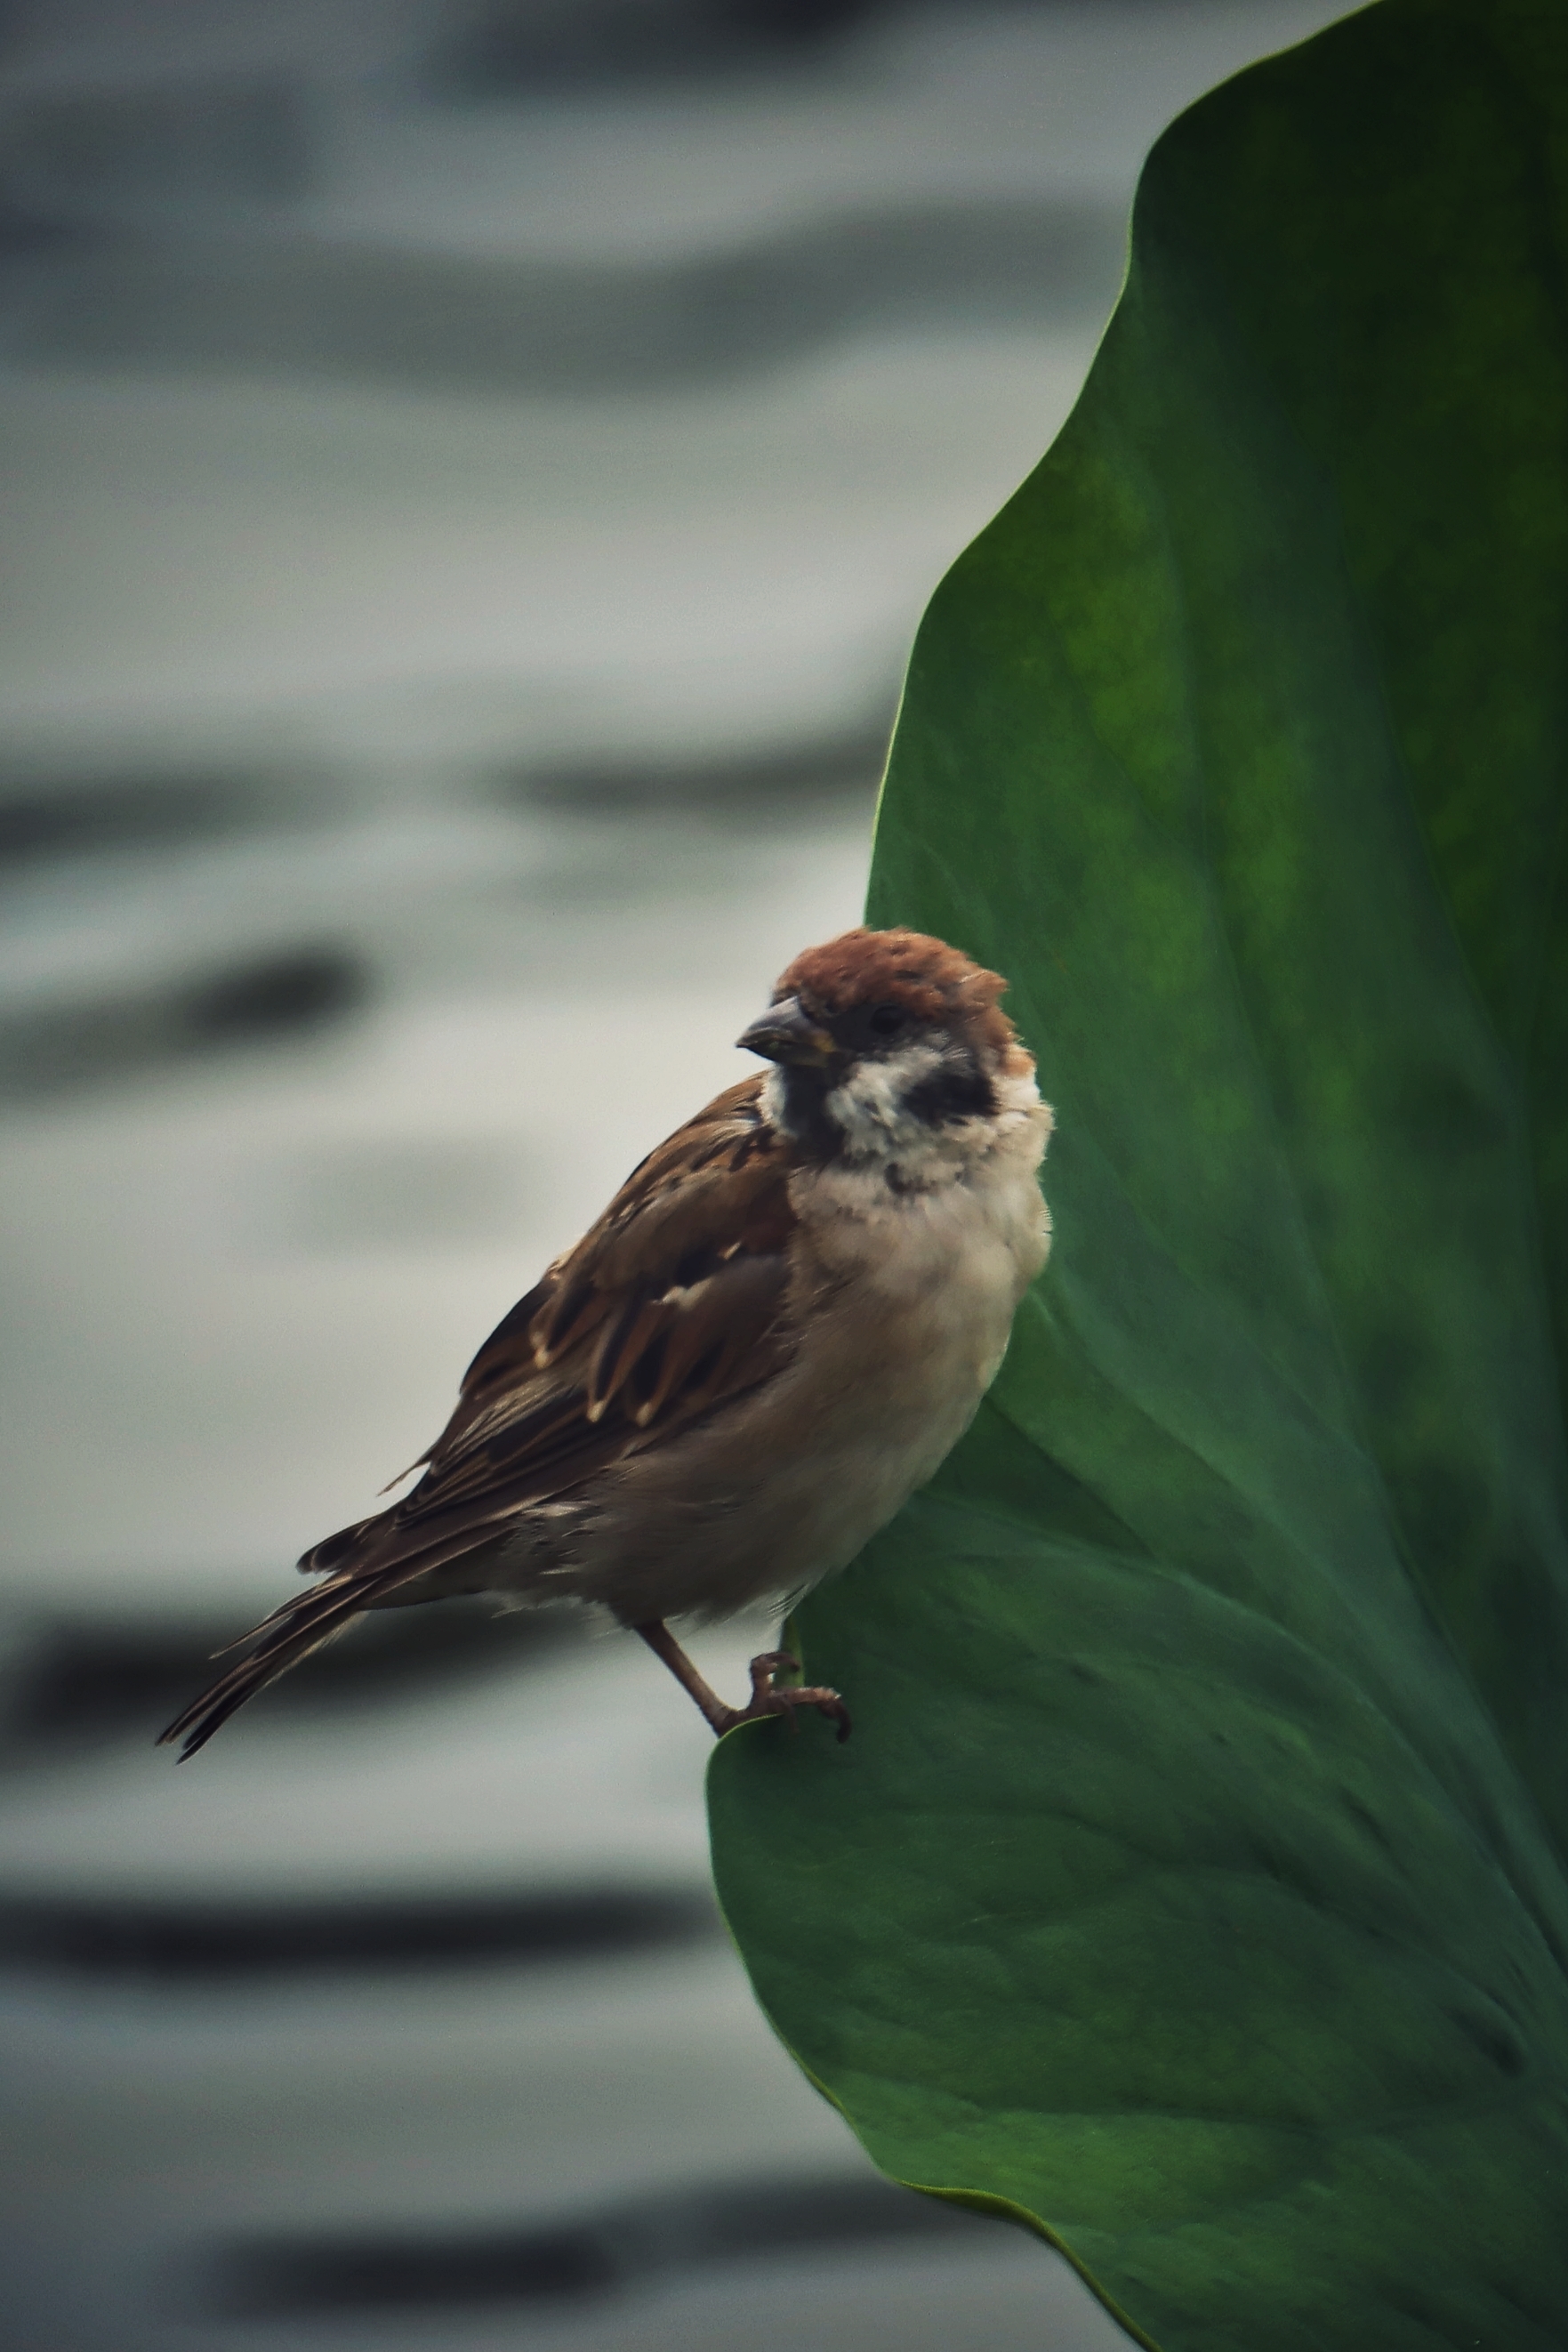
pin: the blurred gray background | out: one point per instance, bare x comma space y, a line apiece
473, 469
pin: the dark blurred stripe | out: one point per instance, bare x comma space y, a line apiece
464, 323
622, 2246
83, 1681
502, 48
46, 818
265, 1000
246, 1939
789, 778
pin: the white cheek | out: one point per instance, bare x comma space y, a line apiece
869, 1108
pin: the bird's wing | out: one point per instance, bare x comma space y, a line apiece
673, 1304
669, 1307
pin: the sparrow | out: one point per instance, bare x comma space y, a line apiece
781, 1324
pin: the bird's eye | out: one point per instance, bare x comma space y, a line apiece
887, 1020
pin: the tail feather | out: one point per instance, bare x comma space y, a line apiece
281, 1640
359, 1577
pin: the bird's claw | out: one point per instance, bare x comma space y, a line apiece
766, 1698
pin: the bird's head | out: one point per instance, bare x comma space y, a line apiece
881, 1040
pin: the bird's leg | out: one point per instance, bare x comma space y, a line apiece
765, 1698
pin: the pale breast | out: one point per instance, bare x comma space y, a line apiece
946, 1245
909, 1297
908, 1281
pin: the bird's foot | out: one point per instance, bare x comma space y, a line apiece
768, 1698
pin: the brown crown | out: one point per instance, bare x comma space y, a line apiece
932, 980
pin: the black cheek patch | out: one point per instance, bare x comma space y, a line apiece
805, 1117
954, 1090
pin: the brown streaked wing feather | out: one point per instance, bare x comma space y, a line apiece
667, 1307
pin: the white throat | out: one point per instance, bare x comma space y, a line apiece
869, 1107
887, 1140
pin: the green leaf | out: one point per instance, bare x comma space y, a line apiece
1194, 1884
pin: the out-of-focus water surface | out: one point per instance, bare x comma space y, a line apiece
473, 468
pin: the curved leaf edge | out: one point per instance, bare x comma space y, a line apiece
981, 2200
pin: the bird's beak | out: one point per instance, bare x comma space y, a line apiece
787, 1033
